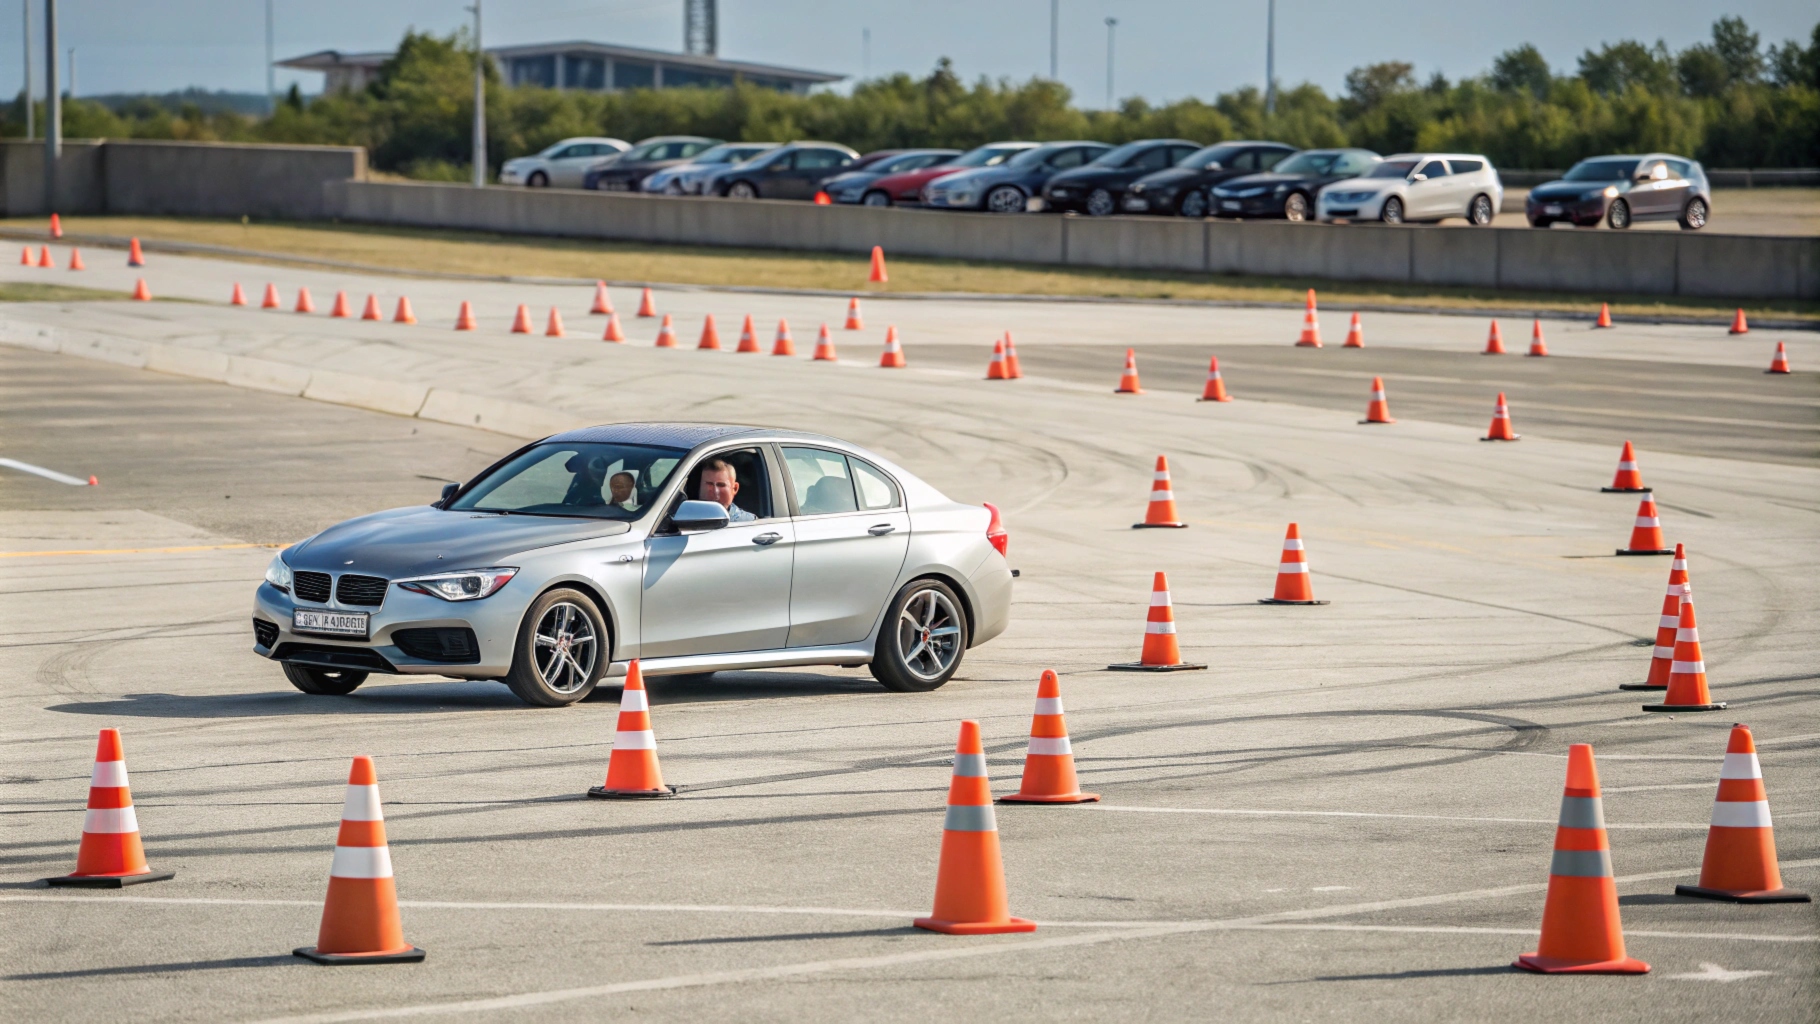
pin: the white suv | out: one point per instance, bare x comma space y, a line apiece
1418, 187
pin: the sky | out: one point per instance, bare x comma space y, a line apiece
1164, 49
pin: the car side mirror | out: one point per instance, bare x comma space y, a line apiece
1418, 177
1214, 165
699, 516
448, 491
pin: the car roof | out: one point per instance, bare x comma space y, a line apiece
676, 435
676, 138
591, 138
1437, 156
812, 144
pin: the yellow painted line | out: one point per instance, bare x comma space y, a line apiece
135, 551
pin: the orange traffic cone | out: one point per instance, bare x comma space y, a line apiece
141, 292
1494, 342
632, 771
1604, 315
1646, 532
1379, 409
464, 320
1293, 584
1661, 663
995, 370
1128, 381
111, 854
878, 266
403, 314
1161, 653
1500, 423
25, 256
76, 260
1537, 347
371, 311
647, 306
893, 356
613, 332
823, 199
56, 226
1581, 932
521, 321
824, 346
553, 329
340, 309
1738, 324
1049, 766
603, 303
784, 345
710, 336
854, 322
1215, 391
360, 922
1355, 335
666, 333
239, 296
44, 257
1779, 364
1311, 327
304, 304
1740, 864
1160, 512
970, 883
271, 298
1628, 480
134, 256
1013, 369
748, 341
1687, 676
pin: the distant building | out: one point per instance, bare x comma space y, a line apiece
597, 67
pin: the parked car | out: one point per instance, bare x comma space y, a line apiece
1418, 187
1008, 187
1182, 189
1097, 188
628, 170
794, 171
686, 179
1289, 189
906, 187
563, 561
561, 164
1621, 190
855, 184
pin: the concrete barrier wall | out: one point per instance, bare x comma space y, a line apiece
193, 179
80, 183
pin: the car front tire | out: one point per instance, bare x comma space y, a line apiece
324, 682
1099, 203
1193, 204
1005, 199
1693, 215
922, 639
538, 179
1392, 213
875, 198
562, 650
1618, 217
1479, 212
742, 190
1295, 208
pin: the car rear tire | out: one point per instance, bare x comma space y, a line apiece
673, 189
538, 179
1295, 208
875, 198
742, 190
562, 650
922, 639
1479, 212
1693, 215
1193, 204
1100, 204
1005, 199
1618, 217
324, 682
1392, 213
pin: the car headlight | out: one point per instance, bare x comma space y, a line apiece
1609, 192
467, 585
278, 574
1280, 189
1062, 192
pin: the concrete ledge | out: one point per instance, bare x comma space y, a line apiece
187, 362
266, 375
517, 419
400, 398
121, 351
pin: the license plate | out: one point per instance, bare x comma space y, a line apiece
1230, 204
1552, 209
306, 620
1137, 204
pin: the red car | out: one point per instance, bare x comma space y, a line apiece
906, 189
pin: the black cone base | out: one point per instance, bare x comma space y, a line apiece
1626, 490
1640, 686
413, 955
1138, 666
1646, 551
603, 793
1159, 526
108, 881
1766, 896
1672, 708
1272, 600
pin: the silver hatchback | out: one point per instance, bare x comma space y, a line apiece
691, 547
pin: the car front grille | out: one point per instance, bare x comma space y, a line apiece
367, 591
311, 586
265, 633
454, 645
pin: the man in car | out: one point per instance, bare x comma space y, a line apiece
621, 486
719, 483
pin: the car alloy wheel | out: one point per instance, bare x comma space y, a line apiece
1005, 199
538, 179
742, 190
1193, 204
1479, 213
561, 651
1392, 213
1693, 215
875, 199
1295, 208
922, 639
1618, 217
1099, 203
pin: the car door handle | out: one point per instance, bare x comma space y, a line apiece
881, 529
765, 540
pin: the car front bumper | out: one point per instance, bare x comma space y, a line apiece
1351, 209
1150, 202
494, 623
1266, 205
1579, 211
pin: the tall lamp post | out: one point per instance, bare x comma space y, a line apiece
480, 104
1270, 60
1055, 19
31, 131
1112, 25
53, 108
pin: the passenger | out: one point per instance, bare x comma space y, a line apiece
719, 483
622, 497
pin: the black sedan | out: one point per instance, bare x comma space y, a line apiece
1182, 189
624, 172
1097, 188
1289, 190
795, 171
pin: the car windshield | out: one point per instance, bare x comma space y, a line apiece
1601, 170
1313, 161
1120, 155
1032, 157
1392, 169
986, 156
586, 479
1201, 158
727, 154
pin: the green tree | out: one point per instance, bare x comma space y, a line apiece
1627, 65
1522, 69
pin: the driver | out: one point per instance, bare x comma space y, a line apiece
719, 483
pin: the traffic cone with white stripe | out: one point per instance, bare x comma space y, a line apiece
1629, 479
854, 322
1494, 342
893, 356
1662, 662
1161, 653
1160, 513
748, 341
304, 303
1379, 409
1311, 326
341, 310
666, 333
1049, 766
1779, 362
824, 347
1500, 423
1581, 931
1128, 381
784, 345
1537, 347
1355, 335
970, 883
647, 305
1293, 584
521, 321
371, 310
632, 771
1646, 533
603, 303
995, 370
1215, 391
1013, 370
1740, 864
710, 335
1687, 676
111, 855
360, 922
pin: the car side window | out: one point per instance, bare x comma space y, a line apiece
784, 162
1153, 159
1465, 166
1177, 154
1269, 158
1246, 161
1069, 158
820, 481
748, 470
816, 159
566, 152
1679, 168
876, 491
1434, 169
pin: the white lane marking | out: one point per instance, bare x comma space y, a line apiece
48, 474
1330, 888
1261, 812
1713, 972
1629, 933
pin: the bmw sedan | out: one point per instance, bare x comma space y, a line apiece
1182, 189
1622, 190
686, 179
1097, 188
1289, 189
1009, 187
856, 184
691, 547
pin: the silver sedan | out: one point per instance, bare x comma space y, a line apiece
691, 547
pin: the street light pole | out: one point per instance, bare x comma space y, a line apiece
480, 104
1270, 61
271, 75
53, 108
1055, 18
1112, 25
31, 130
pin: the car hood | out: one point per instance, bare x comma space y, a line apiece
848, 179
423, 539
1087, 177
1364, 185
914, 179
1268, 179
1569, 189
1168, 177
634, 166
